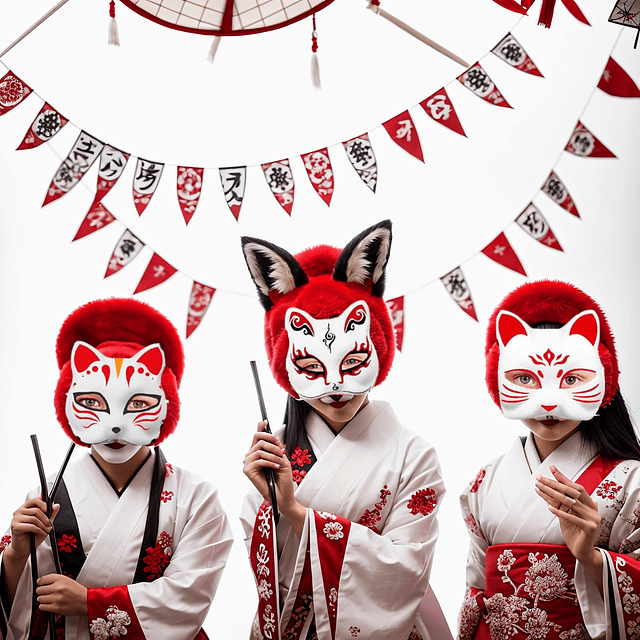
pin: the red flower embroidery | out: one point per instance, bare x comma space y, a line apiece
168, 470
165, 496
4, 543
422, 501
298, 475
158, 556
371, 518
67, 543
300, 457
477, 481
608, 489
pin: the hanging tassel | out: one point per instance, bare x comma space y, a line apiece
114, 38
315, 63
211, 56
546, 13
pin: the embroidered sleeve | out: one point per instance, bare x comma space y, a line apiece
470, 613
111, 614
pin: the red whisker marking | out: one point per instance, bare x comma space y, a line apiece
89, 414
586, 401
593, 395
514, 401
587, 390
147, 414
508, 395
514, 390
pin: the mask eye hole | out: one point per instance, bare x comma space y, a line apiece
310, 365
353, 361
523, 378
142, 402
576, 378
92, 400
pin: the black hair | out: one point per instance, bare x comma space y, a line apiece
295, 417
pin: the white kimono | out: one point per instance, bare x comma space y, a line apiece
184, 567
501, 507
362, 567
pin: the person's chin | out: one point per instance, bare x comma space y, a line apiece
116, 452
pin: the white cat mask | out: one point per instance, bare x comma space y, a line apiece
116, 400
549, 374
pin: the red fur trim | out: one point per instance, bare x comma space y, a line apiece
551, 301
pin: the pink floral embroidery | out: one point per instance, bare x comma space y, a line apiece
469, 616
300, 457
298, 475
371, 518
158, 556
67, 543
165, 496
423, 501
113, 626
608, 489
477, 481
168, 470
4, 543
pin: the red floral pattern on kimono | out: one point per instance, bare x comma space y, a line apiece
158, 556
475, 483
423, 501
371, 518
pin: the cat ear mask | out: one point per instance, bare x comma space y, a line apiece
551, 301
323, 281
120, 328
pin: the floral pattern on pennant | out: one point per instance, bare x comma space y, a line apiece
12, 92
126, 249
396, 310
145, 182
320, 172
67, 543
361, 156
97, 218
456, 285
158, 271
158, 557
477, 80
556, 190
512, 52
113, 625
233, 180
535, 224
199, 301
189, 188
423, 501
439, 107
477, 481
500, 250
370, 518
44, 126
280, 180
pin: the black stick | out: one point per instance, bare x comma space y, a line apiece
58, 480
268, 472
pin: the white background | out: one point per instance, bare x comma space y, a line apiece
156, 97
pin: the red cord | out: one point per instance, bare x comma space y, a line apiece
314, 35
112, 9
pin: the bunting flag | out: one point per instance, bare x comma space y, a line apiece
199, 301
535, 224
83, 154
320, 172
477, 80
512, 52
584, 143
512, 5
404, 133
110, 168
158, 271
280, 180
44, 126
145, 181
617, 82
12, 92
363, 159
396, 309
575, 11
189, 188
97, 218
502, 252
233, 180
126, 249
440, 108
555, 189
457, 288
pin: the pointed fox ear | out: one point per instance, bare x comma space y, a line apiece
272, 269
151, 357
587, 325
508, 326
83, 355
366, 257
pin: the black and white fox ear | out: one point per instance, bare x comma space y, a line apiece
366, 257
271, 268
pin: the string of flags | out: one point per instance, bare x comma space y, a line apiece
189, 180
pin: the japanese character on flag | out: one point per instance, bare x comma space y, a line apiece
44, 126
110, 168
404, 133
617, 82
189, 188
535, 224
477, 80
502, 252
512, 52
145, 181
199, 301
439, 107
126, 249
360, 153
320, 172
555, 189
584, 143
158, 271
97, 218
12, 92
280, 180
233, 180
83, 154
396, 310
457, 287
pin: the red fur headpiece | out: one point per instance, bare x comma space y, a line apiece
120, 328
323, 281
551, 301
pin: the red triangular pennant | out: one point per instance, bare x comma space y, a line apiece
396, 309
320, 172
158, 271
360, 152
199, 302
456, 286
502, 252
584, 143
126, 249
575, 11
556, 190
512, 52
110, 168
44, 126
189, 187
404, 133
12, 92
617, 82
280, 180
512, 5
535, 224
97, 218
233, 180
439, 107
477, 80
145, 182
